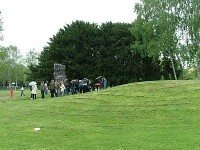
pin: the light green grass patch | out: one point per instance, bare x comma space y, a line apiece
146, 115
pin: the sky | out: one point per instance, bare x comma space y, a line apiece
29, 24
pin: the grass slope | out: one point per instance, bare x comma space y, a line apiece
147, 115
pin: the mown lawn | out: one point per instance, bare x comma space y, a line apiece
158, 115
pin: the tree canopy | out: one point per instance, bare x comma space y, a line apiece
1, 27
168, 28
90, 50
11, 66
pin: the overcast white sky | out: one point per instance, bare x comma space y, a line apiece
29, 24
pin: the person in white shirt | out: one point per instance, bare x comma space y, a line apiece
22, 91
62, 87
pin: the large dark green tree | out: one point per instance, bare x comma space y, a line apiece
75, 46
115, 51
90, 50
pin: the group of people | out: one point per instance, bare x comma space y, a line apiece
60, 88
75, 86
34, 89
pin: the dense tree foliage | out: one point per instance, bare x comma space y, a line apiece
1, 27
31, 58
11, 66
168, 28
90, 50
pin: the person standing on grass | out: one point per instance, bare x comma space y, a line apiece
52, 88
67, 87
62, 89
104, 83
46, 87
72, 85
57, 90
80, 86
11, 92
34, 91
22, 91
42, 87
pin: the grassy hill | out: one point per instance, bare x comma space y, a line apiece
147, 115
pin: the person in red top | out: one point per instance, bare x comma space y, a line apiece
11, 92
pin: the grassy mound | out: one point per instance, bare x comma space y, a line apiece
146, 115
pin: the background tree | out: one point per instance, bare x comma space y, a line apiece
156, 31
13, 59
1, 27
3, 65
11, 63
31, 58
90, 50
168, 26
74, 46
113, 59
189, 31
167, 68
31, 61
12, 68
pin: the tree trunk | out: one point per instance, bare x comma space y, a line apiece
174, 71
181, 67
16, 84
198, 71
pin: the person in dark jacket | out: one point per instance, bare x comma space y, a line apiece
42, 88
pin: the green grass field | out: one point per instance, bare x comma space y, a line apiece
158, 115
